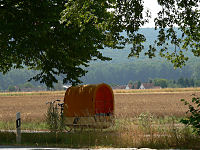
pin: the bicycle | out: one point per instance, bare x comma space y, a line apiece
55, 116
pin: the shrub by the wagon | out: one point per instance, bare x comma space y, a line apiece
194, 114
54, 120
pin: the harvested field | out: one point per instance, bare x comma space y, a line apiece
33, 106
158, 104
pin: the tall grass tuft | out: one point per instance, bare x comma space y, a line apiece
54, 119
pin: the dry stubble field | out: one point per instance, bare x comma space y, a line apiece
158, 102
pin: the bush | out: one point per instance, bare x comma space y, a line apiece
12, 88
55, 120
194, 118
28, 85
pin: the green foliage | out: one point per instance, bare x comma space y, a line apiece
148, 131
181, 81
185, 82
28, 85
130, 82
12, 88
186, 16
194, 114
138, 84
54, 120
160, 82
117, 73
145, 120
60, 37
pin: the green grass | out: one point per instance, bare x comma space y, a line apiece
32, 125
100, 139
142, 120
142, 131
76, 140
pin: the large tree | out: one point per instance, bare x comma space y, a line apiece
60, 37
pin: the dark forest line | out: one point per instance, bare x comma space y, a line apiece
120, 70
118, 73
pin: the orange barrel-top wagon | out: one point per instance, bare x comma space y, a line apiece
89, 106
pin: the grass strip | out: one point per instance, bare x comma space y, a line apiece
143, 91
164, 90
142, 131
102, 139
32, 93
32, 125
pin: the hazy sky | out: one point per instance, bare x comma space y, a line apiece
154, 8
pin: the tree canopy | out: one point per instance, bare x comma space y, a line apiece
61, 37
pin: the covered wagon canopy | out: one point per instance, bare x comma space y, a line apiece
89, 100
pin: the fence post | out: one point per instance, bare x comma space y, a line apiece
18, 128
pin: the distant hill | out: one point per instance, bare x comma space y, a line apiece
121, 56
120, 69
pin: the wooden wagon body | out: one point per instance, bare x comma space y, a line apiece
89, 106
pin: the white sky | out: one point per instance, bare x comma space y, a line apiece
153, 7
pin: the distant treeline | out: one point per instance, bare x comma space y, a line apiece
164, 83
120, 70
17, 80
120, 74
141, 70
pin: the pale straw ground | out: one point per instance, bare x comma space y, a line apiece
157, 102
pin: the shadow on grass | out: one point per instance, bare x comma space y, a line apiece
100, 139
73, 140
